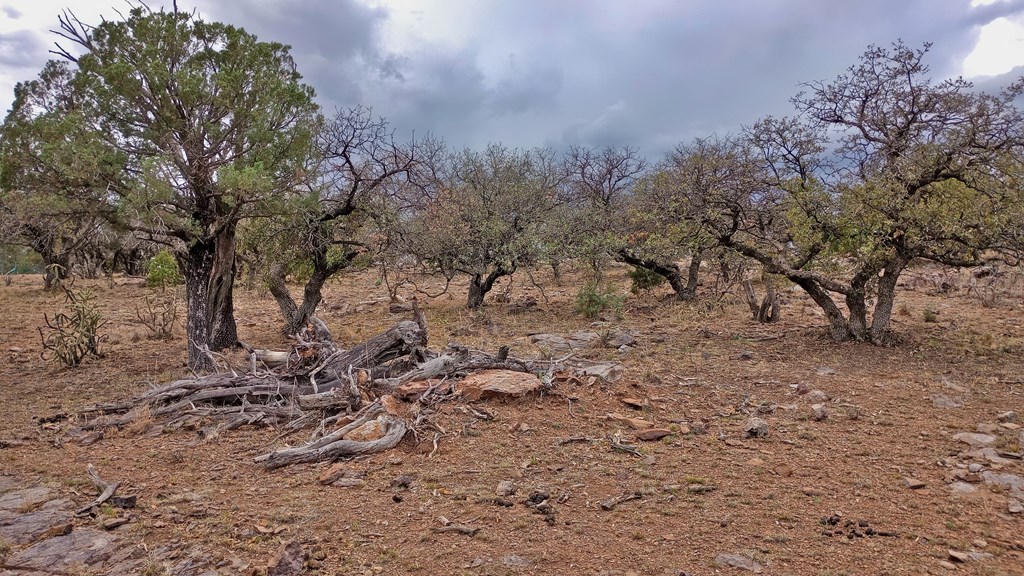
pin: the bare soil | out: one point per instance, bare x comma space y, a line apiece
696, 366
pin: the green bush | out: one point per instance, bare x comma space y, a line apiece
591, 301
644, 279
162, 270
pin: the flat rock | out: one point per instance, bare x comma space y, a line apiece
1014, 506
738, 561
962, 488
620, 338
652, 434
25, 499
333, 473
497, 384
969, 556
1009, 416
989, 454
413, 389
1004, 481
28, 527
373, 430
68, 553
947, 402
913, 483
7, 483
559, 345
636, 403
974, 439
634, 423
608, 371
987, 428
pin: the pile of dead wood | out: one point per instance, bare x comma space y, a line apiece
355, 392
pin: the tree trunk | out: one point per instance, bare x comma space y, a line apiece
221, 308
295, 315
479, 286
684, 291
880, 333
196, 266
767, 311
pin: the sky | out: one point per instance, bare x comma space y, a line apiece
642, 73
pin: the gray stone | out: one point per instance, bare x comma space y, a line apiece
738, 561
962, 488
86, 547
973, 439
289, 560
505, 488
1014, 506
1010, 416
25, 499
755, 428
620, 338
989, 454
818, 397
559, 345
1004, 481
607, 371
819, 412
975, 467
987, 428
948, 402
7, 483
28, 527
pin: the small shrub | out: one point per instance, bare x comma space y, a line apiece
159, 315
162, 270
72, 335
644, 280
591, 301
930, 315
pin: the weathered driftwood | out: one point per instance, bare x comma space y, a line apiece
313, 383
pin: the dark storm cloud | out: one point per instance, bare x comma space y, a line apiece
534, 72
335, 43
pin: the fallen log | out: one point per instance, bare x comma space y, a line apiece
316, 384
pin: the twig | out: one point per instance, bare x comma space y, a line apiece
437, 436
617, 444
106, 490
574, 440
611, 503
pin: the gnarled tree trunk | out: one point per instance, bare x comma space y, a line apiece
221, 310
684, 290
480, 285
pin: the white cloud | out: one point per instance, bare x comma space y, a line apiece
1000, 48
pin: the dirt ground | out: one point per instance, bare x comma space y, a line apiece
892, 415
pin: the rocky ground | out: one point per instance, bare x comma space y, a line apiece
703, 444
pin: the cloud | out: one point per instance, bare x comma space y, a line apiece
600, 72
11, 12
20, 49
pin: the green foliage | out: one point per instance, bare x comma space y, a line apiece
19, 260
162, 271
591, 301
74, 333
644, 279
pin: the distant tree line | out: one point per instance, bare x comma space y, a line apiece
163, 131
